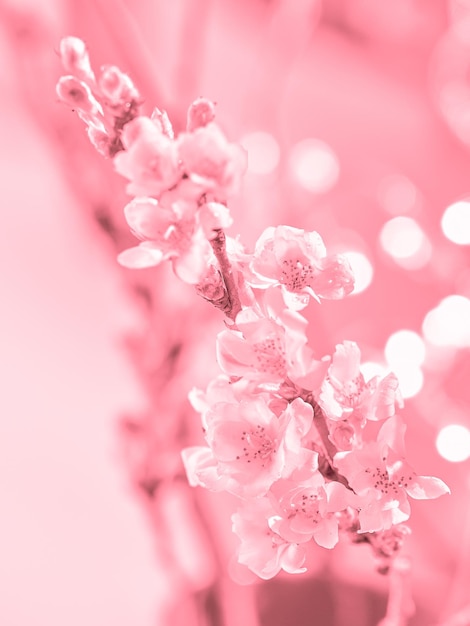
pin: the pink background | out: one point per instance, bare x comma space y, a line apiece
370, 80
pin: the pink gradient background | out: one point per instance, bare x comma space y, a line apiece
78, 544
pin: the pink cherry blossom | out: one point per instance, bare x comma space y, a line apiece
379, 474
116, 87
297, 261
269, 349
200, 113
307, 509
201, 469
150, 159
253, 446
168, 233
346, 395
262, 549
210, 161
220, 389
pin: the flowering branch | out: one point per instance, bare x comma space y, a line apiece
293, 437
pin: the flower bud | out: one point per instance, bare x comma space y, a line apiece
117, 86
74, 57
99, 139
78, 95
200, 113
161, 118
211, 286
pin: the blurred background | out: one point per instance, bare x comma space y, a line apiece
356, 117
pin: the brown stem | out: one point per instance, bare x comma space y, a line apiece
218, 245
326, 464
319, 421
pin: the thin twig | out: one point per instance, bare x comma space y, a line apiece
220, 251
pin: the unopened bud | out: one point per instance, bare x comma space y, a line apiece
74, 57
99, 139
77, 94
211, 286
200, 113
162, 119
117, 86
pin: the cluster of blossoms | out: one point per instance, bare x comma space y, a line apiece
309, 447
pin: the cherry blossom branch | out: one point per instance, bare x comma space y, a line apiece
233, 305
257, 414
329, 449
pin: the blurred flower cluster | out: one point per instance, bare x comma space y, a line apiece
310, 447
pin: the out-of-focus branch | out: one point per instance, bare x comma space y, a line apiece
400, 606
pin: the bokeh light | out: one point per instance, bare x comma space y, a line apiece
411, 379
448, 324
455, 222
362, 268
263, 152
405, 352
405, 346
453, 443
314, 165
405, 241
370, 369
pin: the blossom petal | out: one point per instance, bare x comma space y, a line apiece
295, 301
201, 468
227, 439
371, 517
326, 533
144, 218
385, 397
335, 280
293, 558
392, 433
140, 257
191, 264
234, 354
345, 363
427, 488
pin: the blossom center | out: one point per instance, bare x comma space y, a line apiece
296, 275
270, 355
257, 446
387, 485
306, 506
350, 392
